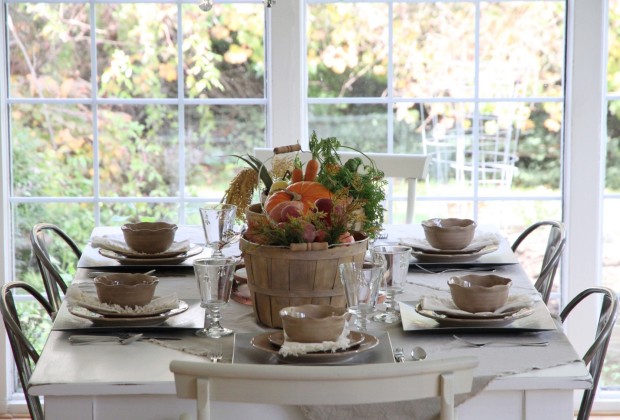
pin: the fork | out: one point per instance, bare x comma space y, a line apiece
508, 343
215, 355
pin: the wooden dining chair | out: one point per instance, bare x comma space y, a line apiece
52, 279
322, 385
24, 353
556, 242
393, 165
595, 355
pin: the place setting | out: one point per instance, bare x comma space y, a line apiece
124, 300
475, 301
145, 243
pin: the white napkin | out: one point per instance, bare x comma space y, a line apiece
157, 305
116, 243
447, 306
292, 348
479, 242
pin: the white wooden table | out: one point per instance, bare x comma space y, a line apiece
111, 381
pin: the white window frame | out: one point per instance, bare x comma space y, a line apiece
584, 163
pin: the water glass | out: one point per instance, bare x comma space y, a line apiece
394, 260
218, 221
361, 285
215, 280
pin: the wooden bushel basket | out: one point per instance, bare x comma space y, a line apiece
279, 277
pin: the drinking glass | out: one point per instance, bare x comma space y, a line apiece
215, 280
394, 260
361, 285
218, 221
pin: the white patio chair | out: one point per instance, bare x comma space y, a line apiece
323, 385
407, 166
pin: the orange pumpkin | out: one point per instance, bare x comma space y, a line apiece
305, 191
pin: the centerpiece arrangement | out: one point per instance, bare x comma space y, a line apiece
313, 217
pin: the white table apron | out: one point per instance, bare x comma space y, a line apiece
116, 382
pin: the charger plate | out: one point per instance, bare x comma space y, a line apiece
262, 343
453, 258
355, 338
104, 320
124, 259
467, 321
114, 314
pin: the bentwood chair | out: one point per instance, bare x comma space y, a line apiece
24, 353
406, 166
556, 242
333, 385
595, 355
52, 279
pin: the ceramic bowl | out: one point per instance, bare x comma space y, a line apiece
126, 289
149, 237
449, 234
479, 293
313, 323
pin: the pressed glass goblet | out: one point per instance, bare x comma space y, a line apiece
218, 221
215, 280
394, 260
361, 285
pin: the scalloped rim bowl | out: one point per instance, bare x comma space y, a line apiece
313, 323
126, 289
479, 293
149, 237
449, 234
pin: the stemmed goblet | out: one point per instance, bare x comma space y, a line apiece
361, 285
218, 221
215, 280
394, 260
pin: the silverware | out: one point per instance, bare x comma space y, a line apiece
451, 270
215, 355
502, 342
399, 355
418, 353
122, 339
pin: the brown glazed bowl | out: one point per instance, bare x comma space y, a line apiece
313, 323
479, 293
126, 289
149, 237
449, 234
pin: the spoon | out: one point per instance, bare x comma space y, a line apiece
418, 353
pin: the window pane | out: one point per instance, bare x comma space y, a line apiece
363, 127
116, 214
49, 48
139, 153
434, 49
521, 48
136, 50
223, 51
342, 60
52, 151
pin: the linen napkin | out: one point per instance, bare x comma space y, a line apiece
88, 300
116, 243
292, 348
479, 242
447, 306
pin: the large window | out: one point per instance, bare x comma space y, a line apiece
118, 110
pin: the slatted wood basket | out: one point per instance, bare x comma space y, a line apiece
279, 277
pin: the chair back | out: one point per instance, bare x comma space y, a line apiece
406, 166
24, 353
553, 252
323, 385
52, 279
595, 355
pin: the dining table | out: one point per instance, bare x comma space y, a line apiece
109, 380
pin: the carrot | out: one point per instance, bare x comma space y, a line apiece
312, 169
297, 175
